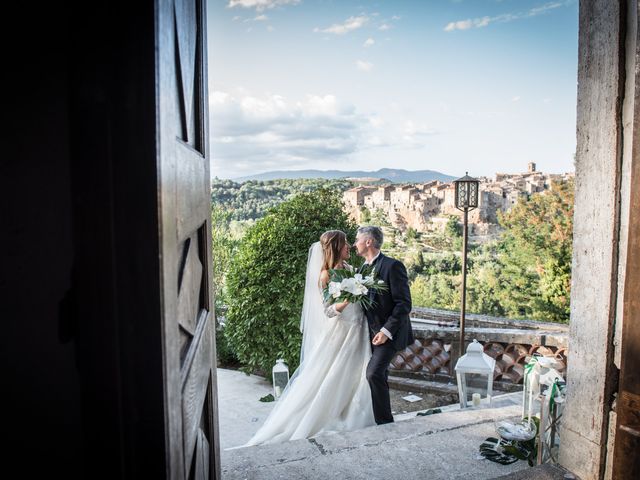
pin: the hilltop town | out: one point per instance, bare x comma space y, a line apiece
426, 207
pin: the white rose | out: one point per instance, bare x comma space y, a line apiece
349, 285
334, 289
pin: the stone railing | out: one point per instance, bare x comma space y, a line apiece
434, 353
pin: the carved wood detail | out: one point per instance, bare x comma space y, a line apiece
196, 383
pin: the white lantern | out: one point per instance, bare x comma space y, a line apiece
474, 361
280, 373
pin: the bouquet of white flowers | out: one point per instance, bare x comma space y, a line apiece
346, 284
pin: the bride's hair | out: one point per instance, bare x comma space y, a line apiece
332, 242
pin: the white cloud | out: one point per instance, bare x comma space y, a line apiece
411, 129
270, 28
364, 66
270, 130
370, 41
350, 24
467, 24
260, 5
254, 133
516, 98
258, 18
376, 122
396, 17
384, 27
506, 17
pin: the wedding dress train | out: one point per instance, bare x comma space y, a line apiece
329, 391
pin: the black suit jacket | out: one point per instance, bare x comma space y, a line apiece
391, 308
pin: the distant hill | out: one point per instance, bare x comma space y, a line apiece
394, 175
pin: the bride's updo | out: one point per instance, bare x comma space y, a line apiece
332, 242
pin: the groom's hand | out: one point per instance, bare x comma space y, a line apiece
379, 338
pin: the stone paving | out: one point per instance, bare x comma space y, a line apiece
440, 446
436, 447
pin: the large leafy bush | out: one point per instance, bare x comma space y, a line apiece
265, 283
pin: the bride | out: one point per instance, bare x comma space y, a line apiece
328, 392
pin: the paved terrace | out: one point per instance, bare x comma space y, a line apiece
440, 446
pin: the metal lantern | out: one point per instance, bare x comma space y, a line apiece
280, 374
466, 192
474, 361
466, 199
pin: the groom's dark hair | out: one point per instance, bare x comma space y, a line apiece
374, 233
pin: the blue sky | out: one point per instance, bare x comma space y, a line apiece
482, 86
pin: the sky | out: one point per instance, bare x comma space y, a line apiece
478, 86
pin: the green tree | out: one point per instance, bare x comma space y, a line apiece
222, 245
436, 291
365, 216
443, 262
266, 278
411, 235
253, 199
525, 274
536, 254
453, 228
483, 290
379, 218
414, 262
453, 231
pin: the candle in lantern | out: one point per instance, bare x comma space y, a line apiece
476, 399
280, 378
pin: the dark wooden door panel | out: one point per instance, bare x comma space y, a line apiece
192, 190
186, 242
190, 284
626, 453
201, 471
195, 390
188, 33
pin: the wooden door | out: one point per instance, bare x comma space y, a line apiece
626, 453
185, 241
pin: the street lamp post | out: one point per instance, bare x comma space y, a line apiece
466, 199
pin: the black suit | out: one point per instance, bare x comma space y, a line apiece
391, 310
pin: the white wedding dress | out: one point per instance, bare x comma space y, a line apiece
328, 392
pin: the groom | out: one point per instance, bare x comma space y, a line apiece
388, 318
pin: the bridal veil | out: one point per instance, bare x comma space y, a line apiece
313, 321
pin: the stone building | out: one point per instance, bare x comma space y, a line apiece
419, 206
354, 197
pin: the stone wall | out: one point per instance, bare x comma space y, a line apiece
606, 60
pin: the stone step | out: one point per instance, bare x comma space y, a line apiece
540, 472
441, 446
